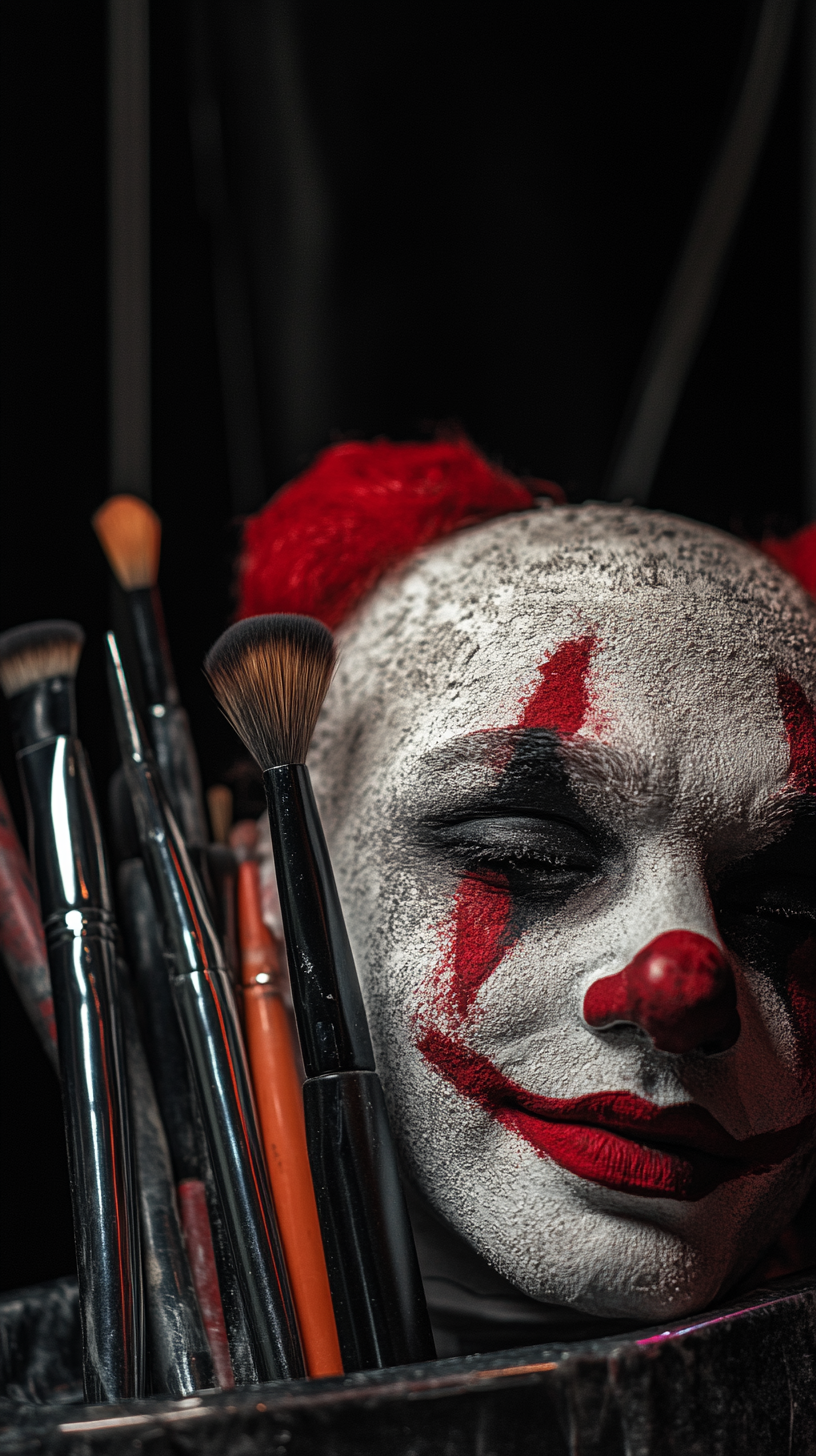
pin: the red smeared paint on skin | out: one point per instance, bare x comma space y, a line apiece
800, 727
679, 988
478, 936
615, 1138
560, 700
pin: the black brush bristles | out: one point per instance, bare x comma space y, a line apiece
38, 651
270, 676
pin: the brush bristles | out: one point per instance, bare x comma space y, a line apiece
129, 532
219, 804
38, 651
270, 675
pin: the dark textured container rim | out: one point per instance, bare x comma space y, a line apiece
738, 1378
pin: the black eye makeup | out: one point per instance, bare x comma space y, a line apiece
523, 830
766, 904
537, 858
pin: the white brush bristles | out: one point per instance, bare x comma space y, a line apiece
38, 651
129, 532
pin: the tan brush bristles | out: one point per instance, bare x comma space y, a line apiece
219, 804
129, 532
37, 663
270, 676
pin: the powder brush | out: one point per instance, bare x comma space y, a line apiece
129, 532
38, 665
205, 1007
270, 676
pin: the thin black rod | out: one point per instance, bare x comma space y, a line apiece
691, 294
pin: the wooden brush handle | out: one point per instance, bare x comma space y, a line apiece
280, 1109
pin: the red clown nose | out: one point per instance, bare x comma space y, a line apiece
679, 989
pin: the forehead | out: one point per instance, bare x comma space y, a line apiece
684, 619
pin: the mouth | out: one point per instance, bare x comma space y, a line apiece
616, 1139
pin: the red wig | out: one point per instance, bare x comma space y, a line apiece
325, 540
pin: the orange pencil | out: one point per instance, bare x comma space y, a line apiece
280, 1109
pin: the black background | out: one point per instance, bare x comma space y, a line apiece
504, 190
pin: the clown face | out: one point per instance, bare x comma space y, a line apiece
566, 771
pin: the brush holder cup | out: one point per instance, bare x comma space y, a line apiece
739, 1380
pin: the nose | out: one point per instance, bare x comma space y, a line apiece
679, 989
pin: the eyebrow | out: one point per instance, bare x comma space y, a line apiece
514, 758
506, 761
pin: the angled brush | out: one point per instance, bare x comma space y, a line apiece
38, 665
270, 676
129, 532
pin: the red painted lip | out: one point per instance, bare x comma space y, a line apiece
616, 1138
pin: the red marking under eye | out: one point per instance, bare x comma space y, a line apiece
480, 936
560, 701
478, 932
800, 727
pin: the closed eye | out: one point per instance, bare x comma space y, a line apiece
547, 859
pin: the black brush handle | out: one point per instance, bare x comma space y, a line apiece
373, 1270
207, 1016
141, 926
169, 729
216, 1055
376, 1286
74, 897
155, 662
329, 1008
180, 1360
167, 722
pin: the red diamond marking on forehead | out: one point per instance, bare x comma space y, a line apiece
800, 727
560, 700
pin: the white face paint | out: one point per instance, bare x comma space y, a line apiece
551, 740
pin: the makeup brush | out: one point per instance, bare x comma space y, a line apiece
22, 943
168, 1063
205, 1008
223, 872
38, 665
280, 1110
270, 675
129, 532
179, 1358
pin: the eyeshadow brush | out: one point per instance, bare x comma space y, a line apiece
38, 665
206, 1012
129, 532
270, 676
